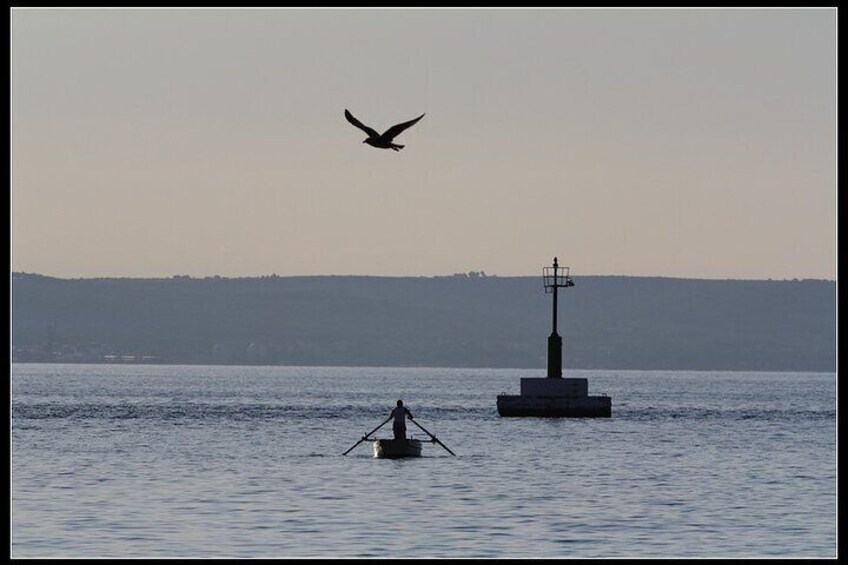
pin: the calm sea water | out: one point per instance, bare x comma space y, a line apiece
196, 461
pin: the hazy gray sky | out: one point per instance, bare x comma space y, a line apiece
673, 142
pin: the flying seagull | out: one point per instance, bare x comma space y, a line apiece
383, 141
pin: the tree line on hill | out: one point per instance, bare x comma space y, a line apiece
473, 320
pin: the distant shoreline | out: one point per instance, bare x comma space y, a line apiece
468, 320
402, 367
468, 275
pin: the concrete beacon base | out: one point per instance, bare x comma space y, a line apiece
554, 397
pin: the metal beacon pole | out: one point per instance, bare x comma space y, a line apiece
554, 278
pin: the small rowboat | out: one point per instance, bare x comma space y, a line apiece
393, 448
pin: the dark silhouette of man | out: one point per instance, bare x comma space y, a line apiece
399, 413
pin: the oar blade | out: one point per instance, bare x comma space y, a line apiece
434, 438
446, 447
354, 445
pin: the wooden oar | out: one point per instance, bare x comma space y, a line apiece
434, 437
366, 435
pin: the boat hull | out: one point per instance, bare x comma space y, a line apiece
395, 448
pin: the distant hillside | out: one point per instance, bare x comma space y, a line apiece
607, 322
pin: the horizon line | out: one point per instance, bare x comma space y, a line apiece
476, 275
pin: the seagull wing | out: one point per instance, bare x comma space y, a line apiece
394, 131
360, 125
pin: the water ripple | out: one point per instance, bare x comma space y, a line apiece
171, 462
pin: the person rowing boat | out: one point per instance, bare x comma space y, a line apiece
399, 413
